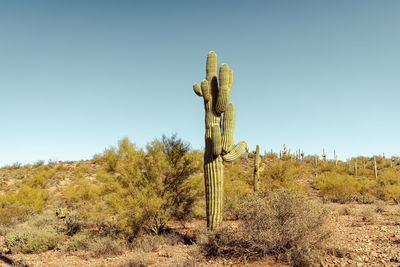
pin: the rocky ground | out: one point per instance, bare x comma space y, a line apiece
364, 235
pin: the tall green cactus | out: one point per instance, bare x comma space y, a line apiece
218, 138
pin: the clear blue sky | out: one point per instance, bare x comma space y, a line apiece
77, 76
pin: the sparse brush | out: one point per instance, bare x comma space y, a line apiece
281, 223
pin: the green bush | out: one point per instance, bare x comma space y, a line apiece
137, 190
337, 187
15, 205
237, 184
283, 174
389, 180
32, 242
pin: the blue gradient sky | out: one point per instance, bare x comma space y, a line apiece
76, 76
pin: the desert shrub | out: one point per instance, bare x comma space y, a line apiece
14, 166
27, 241
81, 170
106, 246
14, 241
327, 166
82, 191
237, 184
283, 174
365, 172
337, 187
78, 242
136, 259
283, 222
152, 243
37, 164
137, 191
42, 241
110, 159
368, 215
182, 260
389, 180
94, 244
15, 205
41, 175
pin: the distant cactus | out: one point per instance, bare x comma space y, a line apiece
284, 152
60, 213
257, 168
302, 155
335, 156
375, 169
323, 155
218, 140
355, 167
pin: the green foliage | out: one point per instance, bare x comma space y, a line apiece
389, 180
81, 170
338, 187
237, 184
138, 191
15, 205
283, 174
343, 187
32, 242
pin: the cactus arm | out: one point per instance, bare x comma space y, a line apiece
223, 92
235, 152
211, 65
197, 89
205, 91
230, 79
228, 124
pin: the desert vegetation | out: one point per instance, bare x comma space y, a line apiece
132, 206
128, 203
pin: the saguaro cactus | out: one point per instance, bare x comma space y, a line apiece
335, 156
355, 167
218, 138
323, 155
375, 169
257, 168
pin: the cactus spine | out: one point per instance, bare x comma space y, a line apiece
257, 168
218, 140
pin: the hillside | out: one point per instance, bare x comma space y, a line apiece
125, 208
